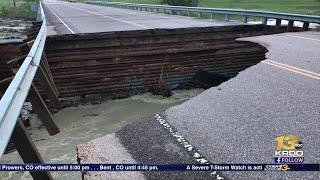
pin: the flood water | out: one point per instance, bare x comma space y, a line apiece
86, 122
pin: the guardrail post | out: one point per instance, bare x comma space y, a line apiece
264, 21
290, 24
245, 19
47, 86
212, 16
43, 112
265, 15
178, 13
27, 150
158, 10
226, 17
278, 23
45, 64
36, 100
305, 26
44, 76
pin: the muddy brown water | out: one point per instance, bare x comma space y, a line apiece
86, 122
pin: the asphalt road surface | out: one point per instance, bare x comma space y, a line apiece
73, 18
238, 121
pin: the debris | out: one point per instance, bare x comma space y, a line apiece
161, 88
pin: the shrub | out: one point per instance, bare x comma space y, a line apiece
181, 2
22, 11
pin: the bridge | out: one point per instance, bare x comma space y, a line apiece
271, 84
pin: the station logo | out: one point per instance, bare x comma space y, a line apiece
288, 150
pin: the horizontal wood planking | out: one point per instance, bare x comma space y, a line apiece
132, 61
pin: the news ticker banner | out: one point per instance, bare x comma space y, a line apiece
159, 167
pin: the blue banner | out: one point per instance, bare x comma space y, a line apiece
159, 167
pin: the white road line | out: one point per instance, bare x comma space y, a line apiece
302, 37
61, 21
196, 155
116, 19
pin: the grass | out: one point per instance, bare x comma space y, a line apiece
22, 10
133, 1
310, 7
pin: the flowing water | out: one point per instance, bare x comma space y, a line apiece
86, 122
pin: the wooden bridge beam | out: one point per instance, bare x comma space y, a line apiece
28, 151
36, 100
44, 77
39, 106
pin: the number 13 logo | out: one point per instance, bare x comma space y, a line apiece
286, 142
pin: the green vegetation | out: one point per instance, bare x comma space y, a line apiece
181, 2
133, 1
311, 7
290, 6
21, 11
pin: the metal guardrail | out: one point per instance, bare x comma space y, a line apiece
15, 95
212, 11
